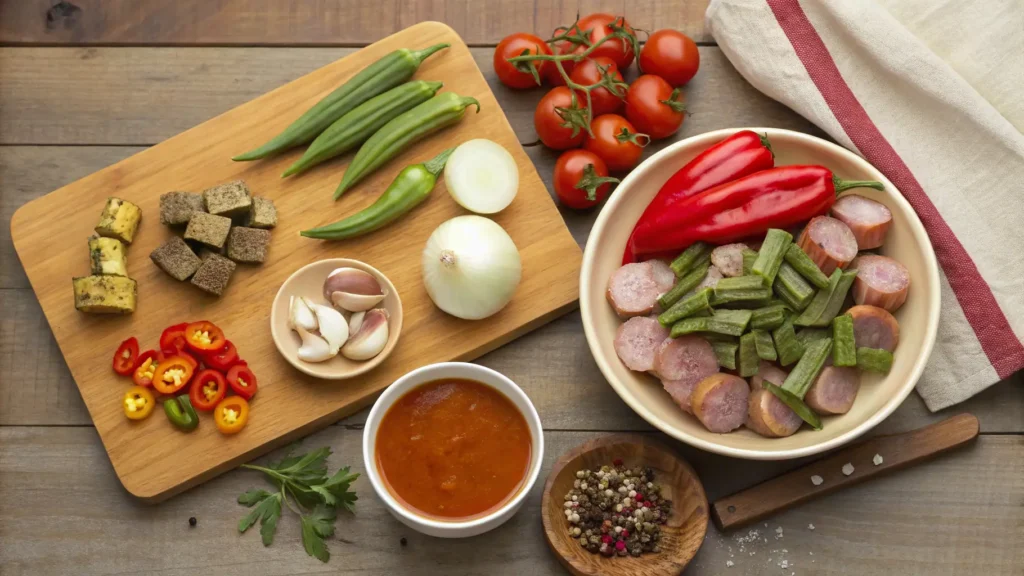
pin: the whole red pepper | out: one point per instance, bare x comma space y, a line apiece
775, 198
741, 154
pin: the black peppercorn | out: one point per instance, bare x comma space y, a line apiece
192, 521
403, 541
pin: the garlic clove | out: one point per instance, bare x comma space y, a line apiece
355, 321
371, 337
353, 289
314, 348
299, 315
333, 326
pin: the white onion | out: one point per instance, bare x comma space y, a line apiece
471, 267
482, 176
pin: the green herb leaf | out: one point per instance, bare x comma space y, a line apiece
271, 504
268, 523
316, 527
252, 497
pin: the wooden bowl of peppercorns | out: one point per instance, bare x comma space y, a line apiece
624, 504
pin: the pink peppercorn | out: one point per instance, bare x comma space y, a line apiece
617, 462
625, 534
639, 497
620, 545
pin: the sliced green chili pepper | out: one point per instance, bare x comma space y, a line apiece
361, 122
377, 78
408, 190
180, 412
440, 111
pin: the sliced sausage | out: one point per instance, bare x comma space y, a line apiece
664, 277
874, 327
867, 219
828, 242
683, 362
834, 391
729, 259
769, 416
637, 341
632, 290
720, 402
709, 281
767, 371
881, 281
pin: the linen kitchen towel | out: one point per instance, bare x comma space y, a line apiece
928, 91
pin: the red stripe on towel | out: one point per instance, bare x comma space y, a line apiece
1004, 350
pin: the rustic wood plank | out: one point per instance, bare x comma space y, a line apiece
313, 22
62, 511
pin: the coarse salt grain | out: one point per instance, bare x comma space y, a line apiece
847, 469
877, 459
810, 526
729, 563
817, 480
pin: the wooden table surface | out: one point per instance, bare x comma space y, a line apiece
87, 84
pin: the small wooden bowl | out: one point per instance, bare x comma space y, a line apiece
308, 281
681, 536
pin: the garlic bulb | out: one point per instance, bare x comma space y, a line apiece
314, 348
333, 327
353, 290
471, 267
371, 337
299, 315
355, 321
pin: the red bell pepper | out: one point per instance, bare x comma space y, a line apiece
739, 155
222, 359
775, 198
124, 357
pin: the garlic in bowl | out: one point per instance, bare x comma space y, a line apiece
336, 318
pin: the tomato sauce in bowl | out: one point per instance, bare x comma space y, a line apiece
453, 449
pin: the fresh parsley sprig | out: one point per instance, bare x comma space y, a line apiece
303, 486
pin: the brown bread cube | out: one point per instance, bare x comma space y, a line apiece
214, 273
248, 245
208, 229
177, 208
231, 199
263, 213
176, 258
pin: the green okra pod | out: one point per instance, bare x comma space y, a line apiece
844, 346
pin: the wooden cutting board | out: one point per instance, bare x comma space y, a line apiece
152, 458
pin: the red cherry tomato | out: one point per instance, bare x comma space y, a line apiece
560, 47
616, 141
581, 179
593, 70
518, 75
654, 107
599, 25
560, 125
671, 55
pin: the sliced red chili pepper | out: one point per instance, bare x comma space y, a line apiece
242, 381
172, 375
204, 336
124, 357
222, 359
188, 358
172, 340
207, 390
146, 366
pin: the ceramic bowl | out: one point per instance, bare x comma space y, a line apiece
308, 281
879, 395
444, 370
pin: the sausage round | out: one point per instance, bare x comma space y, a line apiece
769, 416
637, 341
633, 290
828, 242
729, 259
720, 402
834, 391
874, 327
867, 219
709, 281
881, 281
681, 363
664, 277
767, 371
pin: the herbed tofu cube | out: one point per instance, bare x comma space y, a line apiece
208, 229
103, 294
214, 273
119, 219
177, 208
263, 213
108, 256
231, 199
248, 245
176, 258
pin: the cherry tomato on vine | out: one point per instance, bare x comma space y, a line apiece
671, 55
520, 75
621, 50
594, 70
654, 107
581, 179
560, 47
559, 124
616, 141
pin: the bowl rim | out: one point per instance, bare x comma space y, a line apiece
414, 379
395, 319
703, 141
